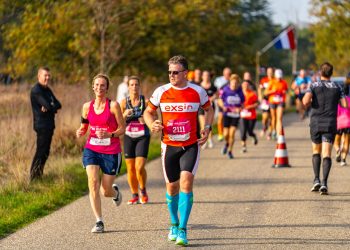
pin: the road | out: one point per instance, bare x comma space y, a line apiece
238, 204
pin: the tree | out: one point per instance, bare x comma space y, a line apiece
331, 33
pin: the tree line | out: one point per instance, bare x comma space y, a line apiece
79, 38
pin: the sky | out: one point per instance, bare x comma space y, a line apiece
285, 11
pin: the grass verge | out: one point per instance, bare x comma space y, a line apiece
20, 205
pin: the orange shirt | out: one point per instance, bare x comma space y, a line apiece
250, 98
264, 82
179, 108
279, 87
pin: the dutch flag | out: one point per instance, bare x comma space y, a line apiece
286, 40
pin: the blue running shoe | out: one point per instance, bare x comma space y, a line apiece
181, 239
172, 236
224, 150
230, 155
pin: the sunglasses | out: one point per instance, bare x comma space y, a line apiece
175, 72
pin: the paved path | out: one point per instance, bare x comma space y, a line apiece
239, 204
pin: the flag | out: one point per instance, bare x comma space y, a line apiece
286, 40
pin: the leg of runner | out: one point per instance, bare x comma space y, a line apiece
172, 199
231, 140
345, 149
243, 130
316, 164
132, 180
201, 125
93, 172
221, 133
264, 121
142, 178
250, 127
279, 121
273, 122
226, 137
337, 147
326, 166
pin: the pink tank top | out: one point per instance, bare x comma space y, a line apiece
104, 121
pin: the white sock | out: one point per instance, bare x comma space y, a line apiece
99, 219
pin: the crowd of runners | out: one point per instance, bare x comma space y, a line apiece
188, 106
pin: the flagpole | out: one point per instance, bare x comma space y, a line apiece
295, 53
257, 68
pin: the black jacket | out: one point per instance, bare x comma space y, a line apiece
43, 97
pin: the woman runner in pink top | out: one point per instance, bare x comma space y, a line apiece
102, 149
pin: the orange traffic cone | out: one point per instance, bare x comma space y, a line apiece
281, 154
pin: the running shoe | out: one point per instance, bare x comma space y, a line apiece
230, 155
210, 143
173, 231
118, 198
244, 149
98, 228
220, 137
134, 200
316, 187
343, 163
181, 239
224, 149
204, 146
274, 136
337, 156
323, 190
255, 140
262, 133
144, 198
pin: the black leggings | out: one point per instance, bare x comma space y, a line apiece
248, 126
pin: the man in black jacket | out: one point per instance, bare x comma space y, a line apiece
44, 107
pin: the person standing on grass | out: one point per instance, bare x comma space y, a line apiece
179, 102
323, 96
44, 106
102, 149
136, 141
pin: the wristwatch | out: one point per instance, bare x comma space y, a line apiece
208, 127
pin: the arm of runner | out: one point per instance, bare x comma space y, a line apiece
84, 125
344, 103
307, 99
208, 118
126, 112
149, 117
221, 104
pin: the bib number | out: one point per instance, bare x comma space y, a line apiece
179, 130
231, 112
245, 113
277, 99
135, 129
264, 105
100, 142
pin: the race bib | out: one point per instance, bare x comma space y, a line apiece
245, 113
231, 112
277, 99
179, 130
264, 105
100, 142
135, 129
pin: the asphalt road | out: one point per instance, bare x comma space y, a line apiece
238, 204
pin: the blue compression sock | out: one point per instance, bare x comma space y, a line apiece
173, 204
185, 206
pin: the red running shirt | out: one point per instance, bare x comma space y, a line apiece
179, 108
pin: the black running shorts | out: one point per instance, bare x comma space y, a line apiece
177, 159
136, 147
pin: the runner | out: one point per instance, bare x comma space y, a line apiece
324, 97
211, 91
136, 141
231, 101
179, 102
220, 82
248, 115
276, 91
264, 103
300, 85
342, 138
102, 149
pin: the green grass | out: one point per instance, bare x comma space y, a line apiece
20, 205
